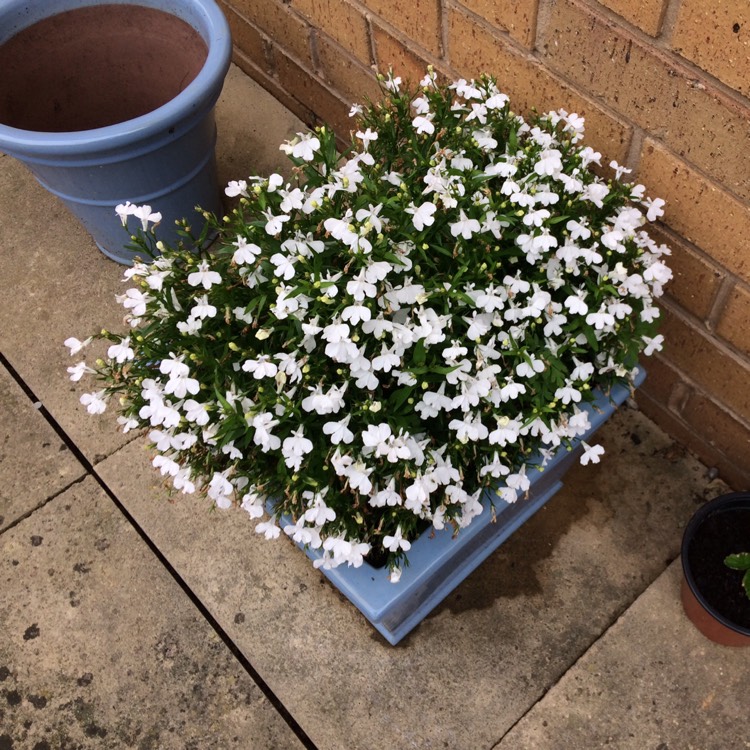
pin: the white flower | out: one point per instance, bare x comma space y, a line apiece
204, 276
423, 124
95, 403
305, 148
655, 208
575, 303
367, 137
284, 266
79, 370
591, 453
247, 252
396, 542
294, 448
465, 227
654, 344
595, 192
261, 367
235, 188
75, 345
202, 309
145, 214
530, 367
422, 216
195, 412
274, 224
268, 528
392, 84
123, 210
339, 432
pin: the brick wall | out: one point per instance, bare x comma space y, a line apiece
664, 87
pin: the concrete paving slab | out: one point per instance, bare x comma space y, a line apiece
484, 657
61, 285
251, 125
102, 649
34, 463
652, 681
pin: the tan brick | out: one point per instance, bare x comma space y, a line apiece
345, 75
716, 36
420, 21
285, 28
517, 17
734, 472
475, 49
661, 379
696, 280
718, 427
341, 21
645, 14
734, 324
709, 129
698, 209
392, 53
247, 38
720, 373
323, 104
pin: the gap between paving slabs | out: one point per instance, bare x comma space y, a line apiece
88, 469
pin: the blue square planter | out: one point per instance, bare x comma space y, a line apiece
439, 561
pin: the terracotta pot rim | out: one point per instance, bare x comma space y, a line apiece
204, 16
723, 502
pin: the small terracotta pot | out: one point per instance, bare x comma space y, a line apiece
712, 623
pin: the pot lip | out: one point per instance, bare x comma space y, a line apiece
204, 16
718, 504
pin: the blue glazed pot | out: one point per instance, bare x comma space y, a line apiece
163, 157
439, 560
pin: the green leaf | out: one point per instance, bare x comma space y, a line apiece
746, 583
739, 561
399, 396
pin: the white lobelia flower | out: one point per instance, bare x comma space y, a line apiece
220, 490
95, 403
247, 252
339, 432
262, 367
423, 124
284, 266
235, 188
123, 210
465, 227
145, 214
274, 224
654, 344
396, 542
294, 448
527, 369
75, 346
79, 370
204, 276
423, 215
367, 137
655, 208
202, 309
306, 147
591, 453
268, 528
195, 412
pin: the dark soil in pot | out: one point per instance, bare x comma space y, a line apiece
720, 534
96, 66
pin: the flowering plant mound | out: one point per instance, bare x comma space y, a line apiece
376, 342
